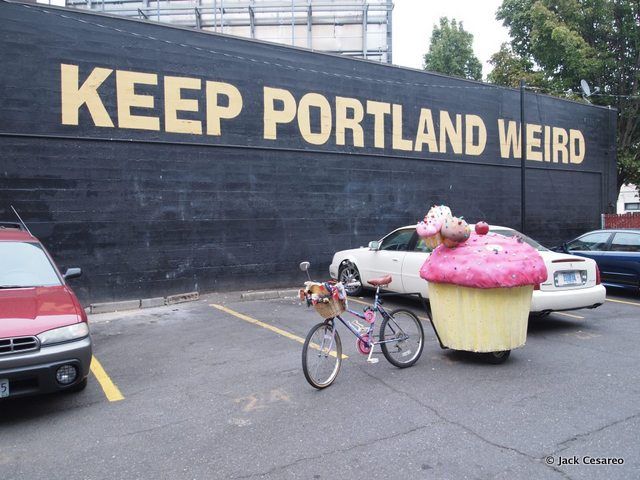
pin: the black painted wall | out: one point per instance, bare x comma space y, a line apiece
155, 213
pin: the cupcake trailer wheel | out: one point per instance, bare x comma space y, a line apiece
497, 358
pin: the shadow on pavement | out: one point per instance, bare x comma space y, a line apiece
25, 409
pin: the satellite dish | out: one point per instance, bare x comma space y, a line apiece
586, 91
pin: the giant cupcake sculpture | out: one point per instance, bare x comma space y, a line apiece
480, 283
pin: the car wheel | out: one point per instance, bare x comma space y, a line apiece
349, 275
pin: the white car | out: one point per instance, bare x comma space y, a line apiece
572, 283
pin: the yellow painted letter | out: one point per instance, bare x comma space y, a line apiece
471, 122
398, 142
343, 122
534, 142
509, 140
271, 116
378, 110
560, 140
73, 97
447, 130
215, 111
304, 118
547, 143
173, 103
426, 132
127, 98
576, 139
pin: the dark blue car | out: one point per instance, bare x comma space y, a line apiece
617, 253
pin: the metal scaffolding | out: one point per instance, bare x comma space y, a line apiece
359, 28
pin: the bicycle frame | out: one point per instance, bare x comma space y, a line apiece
377, 307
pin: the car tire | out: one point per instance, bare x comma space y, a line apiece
78, 387
349, 273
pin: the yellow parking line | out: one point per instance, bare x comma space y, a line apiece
571, 315
277, 330
424, 319
622, 301
111, 391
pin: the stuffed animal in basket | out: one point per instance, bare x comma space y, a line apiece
315, 292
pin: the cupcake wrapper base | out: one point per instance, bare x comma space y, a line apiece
480, 320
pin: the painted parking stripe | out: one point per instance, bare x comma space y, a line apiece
570, 315
635, 304
277, 330
111, 391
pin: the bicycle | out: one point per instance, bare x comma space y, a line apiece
401, 336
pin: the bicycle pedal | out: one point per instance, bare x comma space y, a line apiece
373, 360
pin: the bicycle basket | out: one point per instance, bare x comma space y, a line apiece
331, 308
328, 299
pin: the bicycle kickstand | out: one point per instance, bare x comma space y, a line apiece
370, 358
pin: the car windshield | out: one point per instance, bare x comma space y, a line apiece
24, 264
514, 233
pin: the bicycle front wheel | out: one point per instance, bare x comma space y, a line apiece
321, 355
402, 338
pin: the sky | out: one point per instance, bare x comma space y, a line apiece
413, 22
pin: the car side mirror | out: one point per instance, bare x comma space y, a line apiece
565, 247
74, 272
374, 245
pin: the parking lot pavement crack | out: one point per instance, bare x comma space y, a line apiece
565, 444
157, 427
333, 452
448, 420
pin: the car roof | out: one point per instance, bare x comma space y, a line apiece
613, 230
13, 233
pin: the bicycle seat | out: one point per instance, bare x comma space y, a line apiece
380, 282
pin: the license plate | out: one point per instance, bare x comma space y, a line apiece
4, 387
568, 278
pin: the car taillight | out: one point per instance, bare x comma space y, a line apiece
597, 275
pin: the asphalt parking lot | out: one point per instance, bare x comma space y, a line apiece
214, 389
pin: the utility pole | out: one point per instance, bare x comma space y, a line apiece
523, 166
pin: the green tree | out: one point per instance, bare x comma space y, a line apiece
509, 68
557, 43
451, 51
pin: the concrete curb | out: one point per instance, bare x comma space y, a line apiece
268, 294
109, 307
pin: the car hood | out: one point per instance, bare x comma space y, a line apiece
30, 311
351, 250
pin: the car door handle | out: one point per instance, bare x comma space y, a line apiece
394, 259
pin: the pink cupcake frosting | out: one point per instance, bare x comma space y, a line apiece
486, 261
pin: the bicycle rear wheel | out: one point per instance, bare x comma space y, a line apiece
402, 338
321, 355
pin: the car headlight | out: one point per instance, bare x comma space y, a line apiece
64, 334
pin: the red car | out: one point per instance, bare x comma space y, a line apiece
44, 334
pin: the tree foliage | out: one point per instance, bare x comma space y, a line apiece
451, 51
557, 43
509, 68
